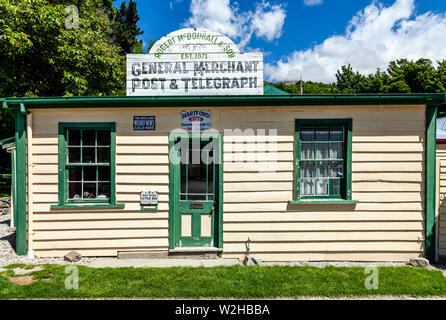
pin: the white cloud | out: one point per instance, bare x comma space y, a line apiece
220, 15
313, 2
268, 20
373, 38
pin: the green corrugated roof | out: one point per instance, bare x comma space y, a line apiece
270, 90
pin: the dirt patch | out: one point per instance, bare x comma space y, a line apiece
21, 281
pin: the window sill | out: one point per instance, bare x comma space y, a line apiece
326, 201
91, 206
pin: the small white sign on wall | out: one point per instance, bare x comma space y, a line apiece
149, 198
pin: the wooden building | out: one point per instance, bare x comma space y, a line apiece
304, 177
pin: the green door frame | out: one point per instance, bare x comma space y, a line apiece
174, 194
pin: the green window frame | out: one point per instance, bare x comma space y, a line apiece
96, 166
336, 183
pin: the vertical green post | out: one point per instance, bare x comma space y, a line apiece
430, 181
20, 139
14, 185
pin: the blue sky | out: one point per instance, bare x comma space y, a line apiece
310, 36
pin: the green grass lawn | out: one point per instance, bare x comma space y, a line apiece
225, 282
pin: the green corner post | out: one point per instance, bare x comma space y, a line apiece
430, 181
20, 138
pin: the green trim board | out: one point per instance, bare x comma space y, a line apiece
336, 188
88, 206
64, 165
327, 201
430, 179
149, 208
21, 211
7, 143
225, 101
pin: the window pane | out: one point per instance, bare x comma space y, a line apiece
103, 190
322, 135
197, 181
103, 138
336, 187
322, 187
74, 137
89, 190
88, 155
75, 190
307, 187
104, 173
75, 174
307, 151
103, 155
336, 150
337, 170
88, 137
74, 155
307, 170
322, 151
89, 173
307, 135
321, 170
336, 135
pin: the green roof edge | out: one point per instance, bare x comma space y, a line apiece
226, 101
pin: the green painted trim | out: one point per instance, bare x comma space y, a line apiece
431, 131
89, 206
225, 101
7, 141
4, 104
63, 191
346, 187
14, 185
328, 201
23, 109
147, 208
173, 193
21, 228
219, 227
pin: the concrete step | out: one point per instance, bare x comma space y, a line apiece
177, 253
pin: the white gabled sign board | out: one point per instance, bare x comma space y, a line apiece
194, 62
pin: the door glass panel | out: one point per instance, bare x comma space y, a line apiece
197, 179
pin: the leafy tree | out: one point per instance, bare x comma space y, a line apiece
309, 87
414, 77
126, 29
44, 53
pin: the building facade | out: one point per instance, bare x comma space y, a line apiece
297, 177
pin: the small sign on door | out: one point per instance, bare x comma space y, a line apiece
149, 198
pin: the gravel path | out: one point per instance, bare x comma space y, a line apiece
8, 255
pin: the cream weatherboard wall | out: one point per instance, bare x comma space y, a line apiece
388, 181
441, 202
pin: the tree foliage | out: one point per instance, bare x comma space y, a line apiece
45, 52
401, 76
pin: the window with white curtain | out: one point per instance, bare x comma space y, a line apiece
323, 148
